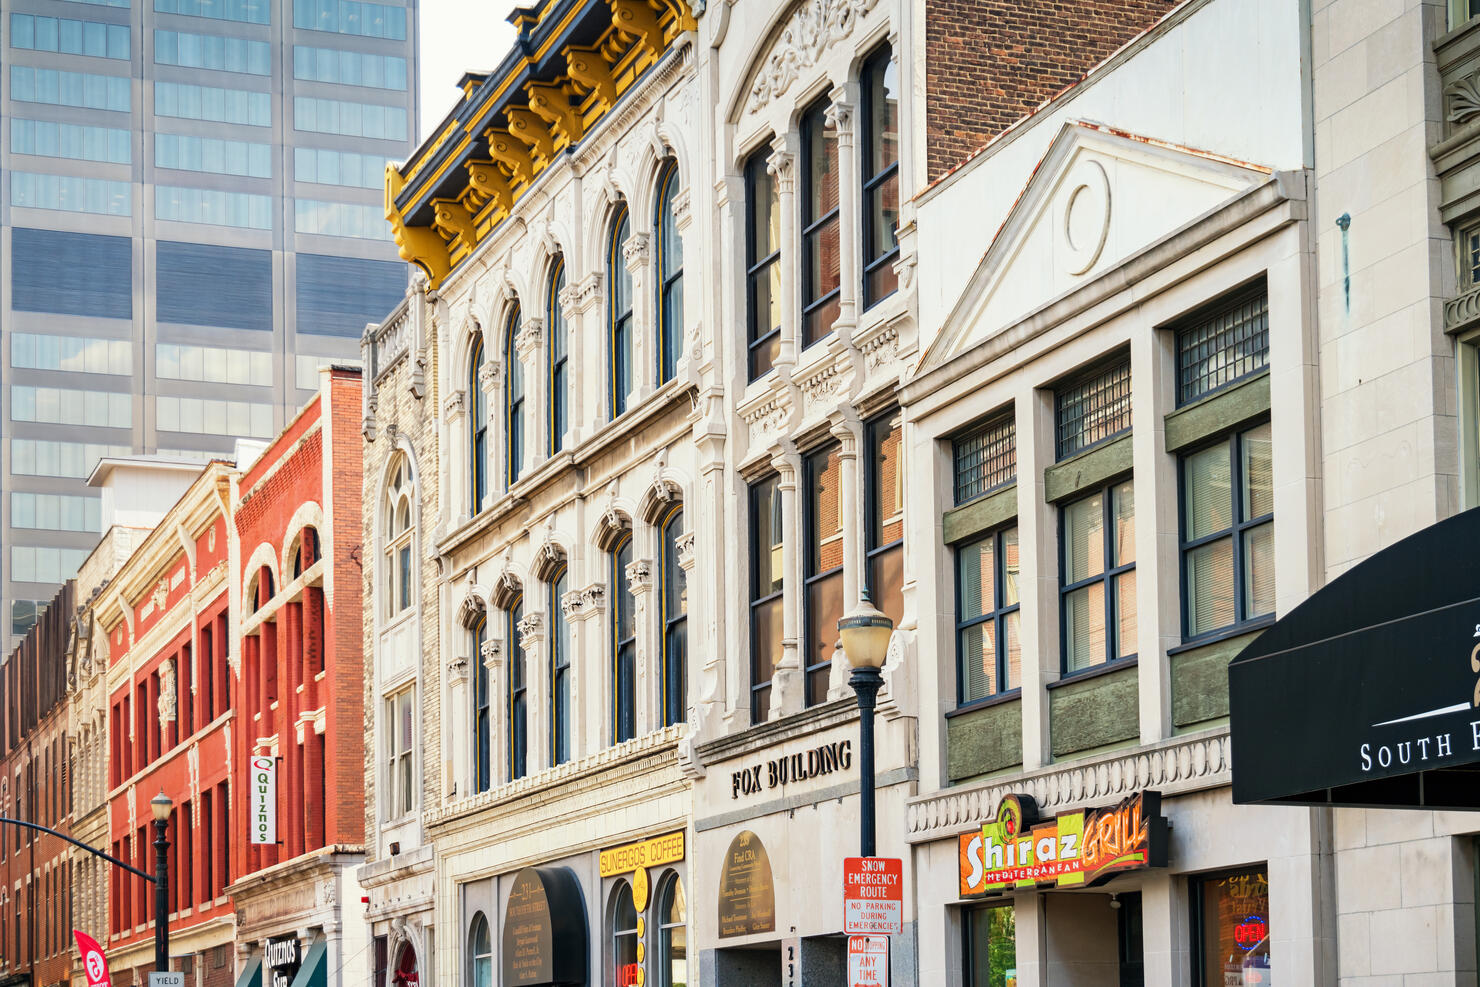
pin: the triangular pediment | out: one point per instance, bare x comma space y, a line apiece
1096, 198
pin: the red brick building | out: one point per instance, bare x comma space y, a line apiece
296, 521
166, 619
35, 868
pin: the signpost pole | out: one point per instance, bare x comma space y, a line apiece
866, 682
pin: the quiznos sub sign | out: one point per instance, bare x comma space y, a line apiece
262, 801
1075, 849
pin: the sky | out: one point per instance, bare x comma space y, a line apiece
458, 36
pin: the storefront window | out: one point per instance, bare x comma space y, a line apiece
1230, 918
991, 946
673, 940
625, 965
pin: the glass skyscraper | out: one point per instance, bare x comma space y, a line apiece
191, 223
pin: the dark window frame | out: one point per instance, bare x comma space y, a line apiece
1197, 919
1063, 396
669, 280
756, 267
873, 522
624, 649
992, 479
1202, 321
518, 694
997, 616
675, 628
877, 61
619, 322
513, 400
559, 672
477, 430
482, 710
812, 229
760, 690
968, 920
813, 463
1108, 577
1233, 440
558, 357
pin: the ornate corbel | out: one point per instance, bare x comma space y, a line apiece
454, 406
526, 125
636, 20
451, 219
531, 630
486, 181
639, 574
590, 69
781, 165
553, 104
685, 547
635, 251
530, 337
510, 152
839, 116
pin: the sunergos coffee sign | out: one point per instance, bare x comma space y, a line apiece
262, 800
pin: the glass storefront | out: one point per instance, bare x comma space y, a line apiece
1230, 919
991, 946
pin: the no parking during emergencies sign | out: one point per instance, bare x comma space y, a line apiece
873, 896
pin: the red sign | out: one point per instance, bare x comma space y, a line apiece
873, 896
94, 963
868, 961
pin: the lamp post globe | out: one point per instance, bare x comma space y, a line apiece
161, 806
864, 632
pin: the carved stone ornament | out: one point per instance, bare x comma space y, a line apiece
685, 546
491, 375
639, 575
491, 651
815, 27
531, 629
161, 594
167, 697
839, 116
454, 406
1462, 311
635, 251
1462, 99
570, 604
457, 669
530, 337
781, 165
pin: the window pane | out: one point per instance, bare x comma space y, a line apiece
1011, 567
1093, 408
985, 458
978, 661
1012, 648
976, 568
1233, 914
766, 644
824, 610
1084, 539
882, 93
1210, 587
1084, 627
1259, 571
1207, 489
887, 480
1223, 347
886, 582
991, 946
825, 521
766, 515
1258, 473
1125, 614
765, 208
1123, 501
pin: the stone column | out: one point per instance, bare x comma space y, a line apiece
571, 315
683, 222
491, 379
529, 347
590, 404
533, 639
786, 680
492, 656
645, 615
840, 117
637, 254
1038, 586
1158, 627
848, 430
782, 167
459, 697
588, 721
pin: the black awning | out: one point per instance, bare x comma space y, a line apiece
1366, 693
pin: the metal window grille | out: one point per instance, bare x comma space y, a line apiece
985, 458
1093, 408
1228, 345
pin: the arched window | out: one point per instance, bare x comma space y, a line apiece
480, 949
821, 257
559, 351
518, 698
262, 589
559, 673
675, 602
624, 645
670, 276
762, 266
397, 508
625, 963
673, 936
513, 400
879, 83
478, 425
482, 710
620, 280
306, 552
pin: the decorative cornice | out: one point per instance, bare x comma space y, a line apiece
1462, 311
815, 27
1172, 767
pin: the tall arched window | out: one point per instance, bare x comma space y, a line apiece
397, 511
624, 645
620, 319
559, 673
625, 941
482, 710
673, 935
675, 602
559, 351
670, 276
513, 400
478, 430
821, 231
518, 698
480, 950
879, 82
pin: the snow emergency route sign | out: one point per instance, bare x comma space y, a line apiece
873, 896
868, 961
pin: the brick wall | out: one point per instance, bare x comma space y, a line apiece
989, 63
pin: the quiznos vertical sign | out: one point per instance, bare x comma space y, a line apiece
262, 806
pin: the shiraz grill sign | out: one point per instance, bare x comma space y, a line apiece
1075, 849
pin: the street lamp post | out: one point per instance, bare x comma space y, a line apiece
161, 806
865, 635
